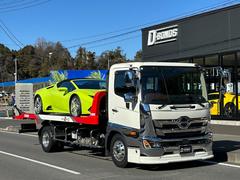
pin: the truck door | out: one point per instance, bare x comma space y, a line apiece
122, 113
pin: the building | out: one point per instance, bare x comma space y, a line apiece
211, 39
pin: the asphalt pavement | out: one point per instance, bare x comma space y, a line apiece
22, 158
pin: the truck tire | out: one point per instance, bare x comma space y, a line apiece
119, 151
47, 142
75, 106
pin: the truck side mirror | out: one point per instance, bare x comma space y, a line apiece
130, 97
131, 86
129, 79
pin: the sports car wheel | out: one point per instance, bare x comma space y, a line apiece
75, 106
38, 105
229, 110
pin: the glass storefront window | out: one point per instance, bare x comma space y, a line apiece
184, 61
229, 60
198, 61
212, 60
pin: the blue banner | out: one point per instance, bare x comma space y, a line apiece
57, 76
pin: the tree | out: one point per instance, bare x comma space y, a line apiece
59, 57
28, 63
85, 59
6, 64
39, 59
138, 56
53, 56
109, 58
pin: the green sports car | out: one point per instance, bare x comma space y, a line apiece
72, 96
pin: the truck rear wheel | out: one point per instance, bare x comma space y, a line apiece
47, 142
119, 151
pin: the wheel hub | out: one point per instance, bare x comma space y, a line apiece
75, 107
45, 139
38, 105
119, 150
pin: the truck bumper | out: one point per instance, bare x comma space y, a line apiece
134, 157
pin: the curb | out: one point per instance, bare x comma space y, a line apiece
234, 157
10, 129
6, 118
229, 157
224, 122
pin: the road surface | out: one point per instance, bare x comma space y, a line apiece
22, 158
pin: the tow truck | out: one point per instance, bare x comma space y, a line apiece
151, 113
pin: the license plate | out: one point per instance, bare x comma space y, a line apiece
185, 149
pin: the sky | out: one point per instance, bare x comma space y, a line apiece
86, 22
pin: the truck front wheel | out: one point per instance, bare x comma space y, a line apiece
119, 151
47, 142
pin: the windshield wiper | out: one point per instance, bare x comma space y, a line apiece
162, 106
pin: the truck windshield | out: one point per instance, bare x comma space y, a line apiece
173, 85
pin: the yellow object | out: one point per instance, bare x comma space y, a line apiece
229, 103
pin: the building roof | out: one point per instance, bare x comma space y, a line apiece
191, 16
32, 80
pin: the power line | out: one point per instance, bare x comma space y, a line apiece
10, 36
138, 29
11, 2
183, 15
6, 44
103, 39
25, 7
113, 42
19, 5
9, 32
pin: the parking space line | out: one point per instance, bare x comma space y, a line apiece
221, 164
39, 162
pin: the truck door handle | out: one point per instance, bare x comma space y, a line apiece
114, 110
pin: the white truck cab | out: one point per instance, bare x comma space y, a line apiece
158, 113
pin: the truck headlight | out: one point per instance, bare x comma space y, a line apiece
147, 144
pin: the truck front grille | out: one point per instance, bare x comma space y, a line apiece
171, 128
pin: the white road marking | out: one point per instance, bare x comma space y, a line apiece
24, 134
221, 164
206, 161
39, 162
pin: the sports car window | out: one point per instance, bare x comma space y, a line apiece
90, 84
68, 85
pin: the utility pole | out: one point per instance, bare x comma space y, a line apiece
108, 63
49, 59
15, 74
